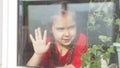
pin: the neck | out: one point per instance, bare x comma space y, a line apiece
62, 49
62, 46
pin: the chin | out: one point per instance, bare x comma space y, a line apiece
67, 44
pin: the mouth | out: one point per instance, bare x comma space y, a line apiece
66, 40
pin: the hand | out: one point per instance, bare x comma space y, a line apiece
39, 43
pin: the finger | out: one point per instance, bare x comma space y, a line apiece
39, 33
36, 34
48, 45
32, 39
45, 35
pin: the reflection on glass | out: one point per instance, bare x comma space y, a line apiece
95, 20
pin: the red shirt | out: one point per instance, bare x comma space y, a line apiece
80, 48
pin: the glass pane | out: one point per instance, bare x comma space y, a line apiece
81, 33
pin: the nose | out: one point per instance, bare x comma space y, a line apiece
66, 32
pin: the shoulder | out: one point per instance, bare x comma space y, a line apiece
82, 36
81, 44
81, 39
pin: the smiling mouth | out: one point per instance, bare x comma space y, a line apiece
66, 40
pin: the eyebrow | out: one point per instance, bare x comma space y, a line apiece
70, 26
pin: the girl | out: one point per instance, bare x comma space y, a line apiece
63, 49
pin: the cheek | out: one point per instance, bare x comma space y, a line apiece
73, 32
57, 35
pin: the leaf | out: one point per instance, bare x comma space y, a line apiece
118, 21
111, 49
108, 20
105, 9
104, 38
92, 20
93, 27
107, 54
118, 39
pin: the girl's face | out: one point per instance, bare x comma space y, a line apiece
64, 29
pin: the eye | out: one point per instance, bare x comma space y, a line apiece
71, 27
60, 29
